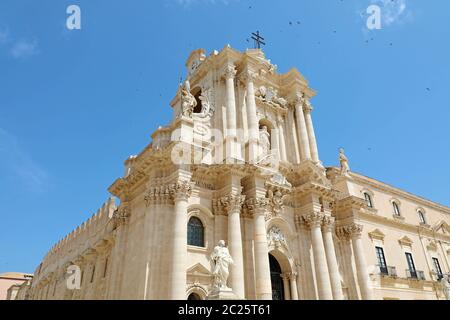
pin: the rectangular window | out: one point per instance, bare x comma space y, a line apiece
437, 268
93, 273
381, 260
411, 266
106, 267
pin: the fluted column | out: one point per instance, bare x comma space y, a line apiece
252, 118
355, 232
311, 135
314, 221
232, 148
233, 205
258, 207
302, 131
335, 279
293, 283
291, 129
286, 286
275, 142
282, 139
181, 192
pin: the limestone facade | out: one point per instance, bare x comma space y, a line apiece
240, 156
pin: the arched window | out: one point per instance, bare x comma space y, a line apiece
194, 296
422, 217
368, 200
195, 232
396, 208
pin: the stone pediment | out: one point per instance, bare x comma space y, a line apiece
377, 235
442, 227
198, 270
405, 241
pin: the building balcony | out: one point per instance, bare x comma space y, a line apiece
415, 274
387, 271
440, 277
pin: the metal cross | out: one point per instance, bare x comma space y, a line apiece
258, 40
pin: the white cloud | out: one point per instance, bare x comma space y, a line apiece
18, 162
24, 48
392, 11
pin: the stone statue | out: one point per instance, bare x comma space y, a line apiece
221, 262
345, 168
276, 200
188, 102
264, 140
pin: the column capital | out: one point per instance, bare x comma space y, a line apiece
285, 276
351, 231
229, 72
313, 220
257, 206
328, 223
232, 202
293, 275
181, 190
247, 76
307, 107
121, 214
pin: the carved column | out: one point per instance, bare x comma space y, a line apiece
181, 192
302, 131
293, 283
233, 205
327, 229
282, 139
252, 118
294, 148
287, 292
314, 220
355, 232
311, 134
232, 149
259, 206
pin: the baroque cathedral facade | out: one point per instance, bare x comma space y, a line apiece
239, 162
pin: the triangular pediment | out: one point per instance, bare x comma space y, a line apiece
442, 227
377, 235
405, 241
198, 270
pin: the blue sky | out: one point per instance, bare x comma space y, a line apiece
75, 104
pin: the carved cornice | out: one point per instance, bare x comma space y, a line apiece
158, 195
366, 181
167, 193
367, 216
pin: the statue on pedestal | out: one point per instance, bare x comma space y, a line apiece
221, 259
345, 168
188, 102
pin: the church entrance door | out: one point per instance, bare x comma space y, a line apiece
275, 277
